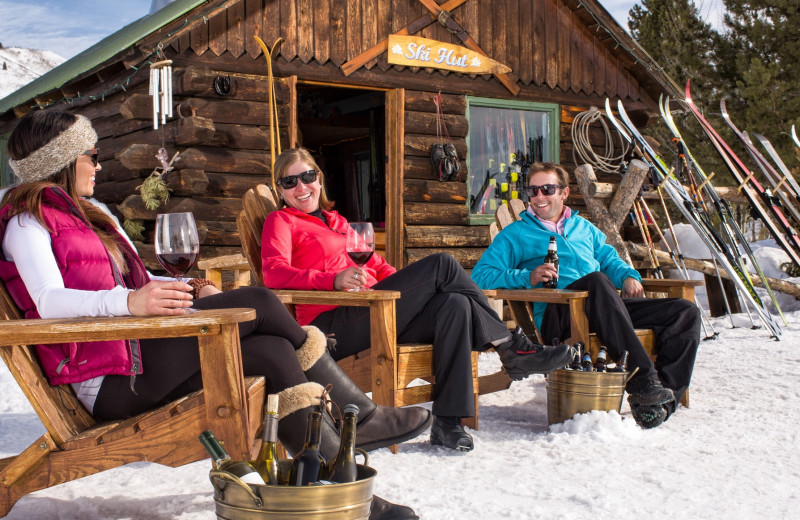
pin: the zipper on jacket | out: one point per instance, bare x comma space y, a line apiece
61, 365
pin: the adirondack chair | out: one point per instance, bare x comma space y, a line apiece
519, 299
386, 368
76, 444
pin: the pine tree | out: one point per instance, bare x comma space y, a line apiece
760, 55
673, 33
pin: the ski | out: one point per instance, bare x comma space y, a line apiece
779, 162
773, 177
735, 236
783, 233
687, 207
794, 137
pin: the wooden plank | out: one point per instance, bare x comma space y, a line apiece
526, 41
384, 29
235, 33
305, 30
288, 27
142, 156
271, 22
322, 30
338, 32
418, 190
220, 208
577, 58
488, 12
217, 29
369, 28
426, 123
420, 145
564, 63
551, 32
446, 236
383, 350
467, 257
419, 168
253, 26
431, 213
395, 175
422, 101
199, 38
353, 28
512, 29
588, 61
539, 42
199, 81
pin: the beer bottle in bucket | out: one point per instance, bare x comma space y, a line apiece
622, 366
343, 468
309, 465
266, 462
600, 362
587, 362
552, 258
223, 461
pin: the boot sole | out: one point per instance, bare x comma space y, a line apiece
375, 445
436, 441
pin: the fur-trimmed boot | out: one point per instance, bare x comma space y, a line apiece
378, 426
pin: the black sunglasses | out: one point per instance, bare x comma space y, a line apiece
93, 154
547, 189
290, 181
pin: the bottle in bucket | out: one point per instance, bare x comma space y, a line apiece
576, 361
622, 366
552, 258
586, 362
266, 463
309, 465
223, 461
343, 468
600, 362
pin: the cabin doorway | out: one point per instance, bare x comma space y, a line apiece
344, 128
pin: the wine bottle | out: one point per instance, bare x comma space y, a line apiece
600, 362
552, 258
266, 462
343, 468
309, 465
223, 461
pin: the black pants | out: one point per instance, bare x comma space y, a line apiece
675, 321
440, 304
171, 366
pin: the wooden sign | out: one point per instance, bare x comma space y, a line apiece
414, 51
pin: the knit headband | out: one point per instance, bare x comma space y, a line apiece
64, 149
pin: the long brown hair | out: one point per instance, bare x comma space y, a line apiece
295, 155
32, 132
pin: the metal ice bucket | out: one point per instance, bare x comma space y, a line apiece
573, 391
236, 500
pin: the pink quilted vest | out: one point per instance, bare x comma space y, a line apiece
84, 264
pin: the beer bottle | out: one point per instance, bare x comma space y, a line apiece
266, 462
552, 258
622, 366
223, 461
309, 465
587, 362
343, 468
600, 362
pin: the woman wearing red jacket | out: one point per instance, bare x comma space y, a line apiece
303, 247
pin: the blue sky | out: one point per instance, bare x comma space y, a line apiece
67, 27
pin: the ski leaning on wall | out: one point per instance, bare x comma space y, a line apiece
686, 205
763, 204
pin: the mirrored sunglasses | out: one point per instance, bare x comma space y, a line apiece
93, 154
290, 181
547, 189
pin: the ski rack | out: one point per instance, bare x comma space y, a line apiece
685, 204
735, 237
756, 194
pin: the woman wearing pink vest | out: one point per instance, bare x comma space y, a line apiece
64, 257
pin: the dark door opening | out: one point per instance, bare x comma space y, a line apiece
344, 129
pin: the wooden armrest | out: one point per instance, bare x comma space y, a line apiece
237, 261
347, 298
670, 282
40, 332
536, 295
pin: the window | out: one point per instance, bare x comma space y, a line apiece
504, 138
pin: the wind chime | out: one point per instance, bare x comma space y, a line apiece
161, 90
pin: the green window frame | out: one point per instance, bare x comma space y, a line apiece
6, 175
493, 174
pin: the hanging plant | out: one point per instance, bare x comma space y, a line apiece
134, 229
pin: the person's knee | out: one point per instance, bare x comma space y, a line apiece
599, 280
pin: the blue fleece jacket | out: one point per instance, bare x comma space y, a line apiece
521, 247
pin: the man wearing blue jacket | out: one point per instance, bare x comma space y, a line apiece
515, 260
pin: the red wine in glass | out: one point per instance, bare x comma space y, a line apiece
177, 244
360, 257
360, 244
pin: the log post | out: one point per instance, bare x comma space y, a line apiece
601, 217
627, 192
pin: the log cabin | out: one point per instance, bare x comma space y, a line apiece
341, 91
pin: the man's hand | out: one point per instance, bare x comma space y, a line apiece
543, 273
157, 297
632, 288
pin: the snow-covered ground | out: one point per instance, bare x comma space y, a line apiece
733, 454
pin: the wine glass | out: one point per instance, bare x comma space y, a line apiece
177, 245
360, 244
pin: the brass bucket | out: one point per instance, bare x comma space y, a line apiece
235, 500
573, 391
